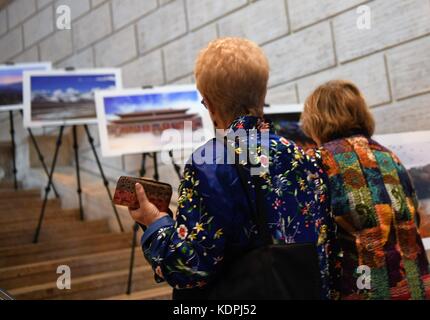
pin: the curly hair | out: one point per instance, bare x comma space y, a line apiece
232, 73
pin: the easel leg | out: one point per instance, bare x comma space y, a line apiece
78, 175
133, 249
142, 171
40, 156
48, 186
175, 165
12, 135
41, 159
105, 181
156, 175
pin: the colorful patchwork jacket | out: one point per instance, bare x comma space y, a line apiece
214, 213
375, 210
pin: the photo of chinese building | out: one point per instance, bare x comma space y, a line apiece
155, 121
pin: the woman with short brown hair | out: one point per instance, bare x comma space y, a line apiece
372, 199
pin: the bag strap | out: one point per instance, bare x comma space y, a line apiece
259, 214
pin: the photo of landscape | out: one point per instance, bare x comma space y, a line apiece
412, 149
70, 96
135, 122
11, 95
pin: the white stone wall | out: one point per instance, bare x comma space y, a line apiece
307, 42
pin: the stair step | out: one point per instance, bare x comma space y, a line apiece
7, 194
53, 232
163, 292
16, 216
27, 205
97, 286
30, 253
83, 265
7, 185
59, 219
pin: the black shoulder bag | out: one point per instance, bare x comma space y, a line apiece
270, 271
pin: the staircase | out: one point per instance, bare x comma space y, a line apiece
98, 258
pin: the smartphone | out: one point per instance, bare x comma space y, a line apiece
159, 193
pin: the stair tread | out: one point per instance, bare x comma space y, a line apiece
57, 224
7, 193
50, 213
82, 265
23, 254
112, 275
46, 265
54, 232
58, 244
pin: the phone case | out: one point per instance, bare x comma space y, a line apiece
158, 193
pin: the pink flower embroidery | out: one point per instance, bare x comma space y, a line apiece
264, 160
277, 204
284, 141
182, 231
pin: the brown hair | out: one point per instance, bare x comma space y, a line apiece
232, 73
336, 109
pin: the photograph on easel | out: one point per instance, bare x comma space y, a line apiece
412, 149
11, 83
135, 121
63, 97
286, 123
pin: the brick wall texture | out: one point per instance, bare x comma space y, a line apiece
307, 42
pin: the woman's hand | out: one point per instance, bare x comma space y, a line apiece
148, 212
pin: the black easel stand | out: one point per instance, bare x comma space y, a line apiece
176, 167
41, 159
142, 171
12, 136
33, 140
78, 175
48, 186
54, 162
133, 249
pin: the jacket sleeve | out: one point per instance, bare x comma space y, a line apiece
187, 252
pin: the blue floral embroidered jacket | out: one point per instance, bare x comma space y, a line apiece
213, 212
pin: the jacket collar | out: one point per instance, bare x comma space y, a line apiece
248, 123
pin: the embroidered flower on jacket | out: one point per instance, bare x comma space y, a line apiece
218, 234
199, 227
182, 231
218, 259
284, 141
277, 204
264, 161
